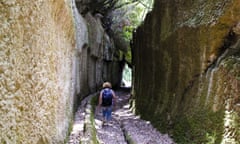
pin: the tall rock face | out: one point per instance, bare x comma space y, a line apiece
47, 64
186, 60
37, 48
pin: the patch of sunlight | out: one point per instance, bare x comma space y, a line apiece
127, 76
137, 117
124, 113
148, 122
98, 123
229, 124
77, 127
126, 106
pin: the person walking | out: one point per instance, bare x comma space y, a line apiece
106, 100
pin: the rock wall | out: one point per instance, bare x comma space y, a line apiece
47, 65
186, 63
37, 49
101, 54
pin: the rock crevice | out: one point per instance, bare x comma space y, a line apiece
51, 57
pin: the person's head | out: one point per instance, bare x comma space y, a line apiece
107, 85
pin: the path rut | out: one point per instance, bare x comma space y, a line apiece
124, 128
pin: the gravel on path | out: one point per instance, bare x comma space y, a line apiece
127, 128
124, 128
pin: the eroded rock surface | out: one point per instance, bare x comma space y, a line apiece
48, 63
186, 61
36, 50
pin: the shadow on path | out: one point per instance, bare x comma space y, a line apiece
127, 128
124, 128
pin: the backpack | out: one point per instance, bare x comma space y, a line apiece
107, 97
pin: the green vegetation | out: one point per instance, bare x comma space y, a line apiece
69, 130
126, 19
89, 125
94, 131
128, 139
94, 102
202, 127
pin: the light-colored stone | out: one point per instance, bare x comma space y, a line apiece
37, 46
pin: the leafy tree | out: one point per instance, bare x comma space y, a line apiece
120, 18
126, 17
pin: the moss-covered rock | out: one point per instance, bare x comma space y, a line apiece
180, 82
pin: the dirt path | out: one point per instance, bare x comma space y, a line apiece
124, 128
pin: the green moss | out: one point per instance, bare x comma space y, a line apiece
128, 139
202, 127
69, 131
128, 56
94, 102
94, 131
160, 122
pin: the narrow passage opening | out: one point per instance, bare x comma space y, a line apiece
120, 23
127, 76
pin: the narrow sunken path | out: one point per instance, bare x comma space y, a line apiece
124, 128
